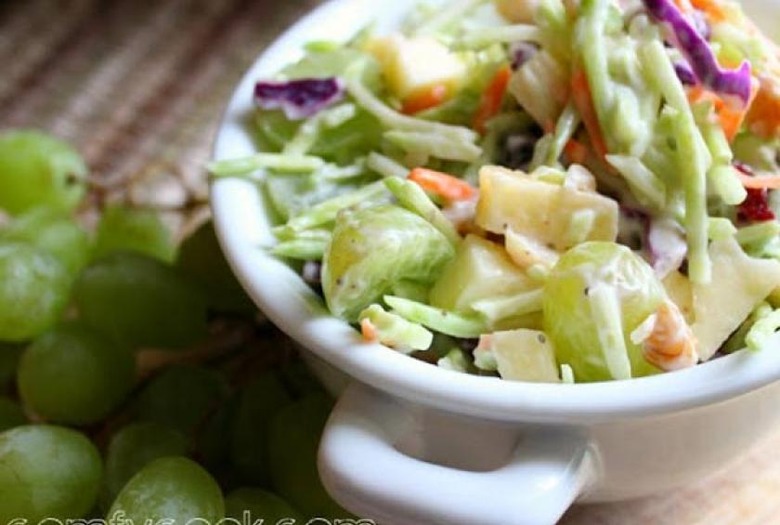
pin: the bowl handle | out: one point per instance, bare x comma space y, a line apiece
361, 467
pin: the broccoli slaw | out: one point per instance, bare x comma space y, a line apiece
543, 191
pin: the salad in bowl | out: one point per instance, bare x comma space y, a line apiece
544, 191
468, 206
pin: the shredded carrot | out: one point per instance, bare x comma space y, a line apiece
770, 182
446, 186
729, 116
368, 330
580, 92
492, 98
683, 5
576, 152
763, 118
427, 98
713, 9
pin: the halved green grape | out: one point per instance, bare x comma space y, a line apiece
200, 258
47, 472
591, 271
141, 301
258, 402
134, 447
257, 504
293, 441
39, 170
174, 489
122, 228
11, 414
374, 248
34, 290
75, 375
182, 397
54, 232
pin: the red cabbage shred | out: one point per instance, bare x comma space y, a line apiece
299, 99
734, 83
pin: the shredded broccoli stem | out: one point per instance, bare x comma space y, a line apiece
645, 185
396, 332
717, 143
592, 40
434, 145
762, 330
565, 128
394, 120
693, 157
567, 374
273, 161
326, 211
414, 199
485, 36
309, 132
513, 306
659, 68
694, 176
720, 228
727, 185
385, 166
447, 16
605, 309
455, 360
449, 323
758, 233
301, 249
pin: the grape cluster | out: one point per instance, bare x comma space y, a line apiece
130, 375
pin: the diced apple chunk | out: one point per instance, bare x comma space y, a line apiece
411, 65
526, 251
543, 211
740, 283
481, 269
522, 355
540, 87
680, 291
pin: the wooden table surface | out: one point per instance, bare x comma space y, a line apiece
138, 86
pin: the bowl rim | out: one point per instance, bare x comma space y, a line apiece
243, 230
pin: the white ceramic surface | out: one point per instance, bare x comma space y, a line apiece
507, 452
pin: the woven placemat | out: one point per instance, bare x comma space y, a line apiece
138, 87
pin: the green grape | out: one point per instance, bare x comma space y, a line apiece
568, 317
258, 504
53, 232
174, 489
212, 438
135, 446
11, 414
47, 472
75, 375
182, 397
39, 170
122, 228
140, 300
200, 258
258, 402
34, 290
374, 248
10, 353
293, 441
